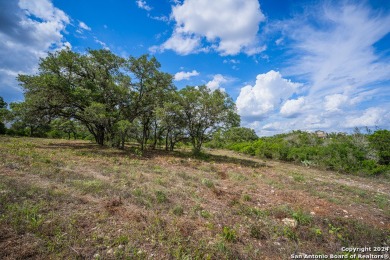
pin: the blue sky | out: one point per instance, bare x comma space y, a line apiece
288, 64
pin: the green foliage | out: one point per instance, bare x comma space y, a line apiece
4, 114
302, 218
356, 153
231, 136
380, 141
205, 112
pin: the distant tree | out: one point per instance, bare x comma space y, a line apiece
27, 119
4, 115
172, 121
205, 112
239, 134
66, 126
123, 128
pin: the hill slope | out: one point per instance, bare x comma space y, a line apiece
74, 199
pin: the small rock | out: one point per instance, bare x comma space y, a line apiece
96, 256
121, 246
312, 213
346, 216
277, 244
346, 212
110, 251
290, 222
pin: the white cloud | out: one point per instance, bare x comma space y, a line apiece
230, 26
28, 29
182, 44
103, 44
83, 26
335, 102
266, 96
292, 107
216, 82
341, 52
334, 50
371, 117
231, 61
143, 5
185, 75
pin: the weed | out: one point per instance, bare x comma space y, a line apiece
178, 210
335, 231
238, 177
302, 218
205, 214
89, 186
161, 197
290, 234
298, 177
229, 234
382, 201
24, 216
208, 183
257, 231
246, 197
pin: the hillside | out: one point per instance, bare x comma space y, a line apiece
75, 199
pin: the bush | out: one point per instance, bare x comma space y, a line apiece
357, 153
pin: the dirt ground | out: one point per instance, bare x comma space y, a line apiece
74, 199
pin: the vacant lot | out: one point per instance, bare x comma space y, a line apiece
73, 199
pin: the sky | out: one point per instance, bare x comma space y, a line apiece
288, 65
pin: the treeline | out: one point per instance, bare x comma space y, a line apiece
114, 100
365, 153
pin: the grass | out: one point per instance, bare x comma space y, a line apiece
74, 199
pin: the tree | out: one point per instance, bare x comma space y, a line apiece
206, 111
89, 88
123, 129
172, 121
66, 126
239, 134
28, 119
149, 89
4, 115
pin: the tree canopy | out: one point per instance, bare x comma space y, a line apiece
117, 98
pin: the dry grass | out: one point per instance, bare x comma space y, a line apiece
73, 199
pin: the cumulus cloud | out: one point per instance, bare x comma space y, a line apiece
371, 117
185, 75
230, 26
270, 91
28, 29
292, 107
180, 43
216, 82
335, 102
